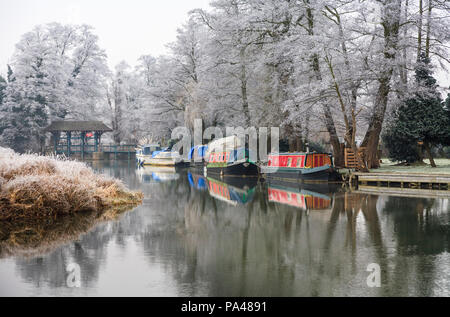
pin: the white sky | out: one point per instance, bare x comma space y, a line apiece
127, 29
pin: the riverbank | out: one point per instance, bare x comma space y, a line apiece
443, 167
36, 187
387, 166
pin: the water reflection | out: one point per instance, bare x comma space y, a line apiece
199, 236
156, 174
303, 196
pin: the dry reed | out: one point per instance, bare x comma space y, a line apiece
36, 187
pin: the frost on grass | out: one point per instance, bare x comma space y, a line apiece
33, 186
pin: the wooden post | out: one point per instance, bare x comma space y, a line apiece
55, 142
83, 134
69, 136
96, 137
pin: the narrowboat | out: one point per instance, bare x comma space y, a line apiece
196, 156
228, 156
301, 197
305, 167
153, 154
240, 194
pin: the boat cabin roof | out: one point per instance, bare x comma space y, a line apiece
225, 144
201, 151
151, 145
299, 153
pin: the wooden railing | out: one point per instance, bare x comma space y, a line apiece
90, 148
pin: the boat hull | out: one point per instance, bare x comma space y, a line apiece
239, 169
317, 174
148, 160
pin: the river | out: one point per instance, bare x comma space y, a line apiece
203, 237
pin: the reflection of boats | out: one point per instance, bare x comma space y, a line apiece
157, 174
228, 156
301, 197
241, 192
153, 154
307, 167
197, 181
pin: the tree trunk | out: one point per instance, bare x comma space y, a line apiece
403, 68
245, 107
420, 153
419, 31
391, 24
427, 41
338, 153
329, 121
299, 145
426, 146
292, 144
372, 137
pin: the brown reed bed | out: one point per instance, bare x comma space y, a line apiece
39, 187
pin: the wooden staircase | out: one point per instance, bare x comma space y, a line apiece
350, 157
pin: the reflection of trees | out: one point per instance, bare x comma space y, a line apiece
421, 228
273, 249
258, 249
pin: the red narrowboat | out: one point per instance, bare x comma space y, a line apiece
306, 167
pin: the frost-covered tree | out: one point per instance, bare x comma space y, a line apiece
23, 117
57, 72
2, 90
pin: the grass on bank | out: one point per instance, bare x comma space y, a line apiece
33, 186
387, 166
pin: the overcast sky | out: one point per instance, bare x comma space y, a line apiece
127, 29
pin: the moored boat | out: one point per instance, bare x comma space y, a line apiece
305, 167
153, 154
196, 156
229, 157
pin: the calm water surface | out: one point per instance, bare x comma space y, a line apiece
204, 237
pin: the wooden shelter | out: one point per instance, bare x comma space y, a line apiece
85, 130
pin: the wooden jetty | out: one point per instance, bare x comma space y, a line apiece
401, 180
